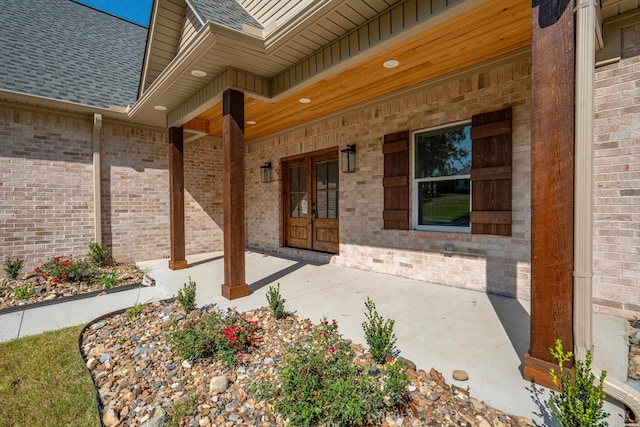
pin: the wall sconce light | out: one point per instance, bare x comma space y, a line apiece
348, 159
265, 172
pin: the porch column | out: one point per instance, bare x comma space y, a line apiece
552, 169
176, 198
234, 285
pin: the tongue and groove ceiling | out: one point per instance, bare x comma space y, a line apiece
329, 51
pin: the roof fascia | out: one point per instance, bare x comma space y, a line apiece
147, 49
198, 47
195, 11
113, 112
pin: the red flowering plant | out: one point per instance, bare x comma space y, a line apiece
62, 269
225, 335
321, 385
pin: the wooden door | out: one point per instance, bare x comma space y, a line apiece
311, 191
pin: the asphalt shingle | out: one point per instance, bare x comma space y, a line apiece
225, 12
64, 50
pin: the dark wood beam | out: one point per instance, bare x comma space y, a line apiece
234, 285
552, 169
176, 198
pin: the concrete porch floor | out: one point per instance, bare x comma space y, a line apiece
436, 326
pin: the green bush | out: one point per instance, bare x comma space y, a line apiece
219, 334
276, 302
322, 386
378, 333
187, 296
24, 292
99, 254
13, 266
579, 402
108, 280
67, 269
134, 310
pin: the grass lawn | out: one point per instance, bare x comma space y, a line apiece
43, 382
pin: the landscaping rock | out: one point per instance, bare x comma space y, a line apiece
144, 389
459, 375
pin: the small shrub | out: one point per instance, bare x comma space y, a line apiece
108, 280
395, 382
99, 254
580, 401
13, 266
322, 386
219, 334
24, 292
378, 333
182, 410
187, 296
134, 310
276, 302
67, 269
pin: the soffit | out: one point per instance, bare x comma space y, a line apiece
611, 8
483, 33
294, 33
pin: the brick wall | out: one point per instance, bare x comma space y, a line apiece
203, 196
135, 192
616, 241
497, 264
46, 188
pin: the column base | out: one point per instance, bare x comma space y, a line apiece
232, 292
178, 265
537, 371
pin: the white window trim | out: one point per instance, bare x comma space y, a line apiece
416, 181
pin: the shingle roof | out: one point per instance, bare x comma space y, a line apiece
225, 12
64, 50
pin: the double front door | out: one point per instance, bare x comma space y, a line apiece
311, 201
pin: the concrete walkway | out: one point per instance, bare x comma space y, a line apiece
436, 326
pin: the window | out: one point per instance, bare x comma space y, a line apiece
442, 178
453, 190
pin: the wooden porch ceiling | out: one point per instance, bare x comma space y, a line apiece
486, 32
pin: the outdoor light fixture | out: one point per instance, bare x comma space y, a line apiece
265, 172
348, 159
160, 108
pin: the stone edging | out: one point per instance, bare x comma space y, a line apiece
15, 308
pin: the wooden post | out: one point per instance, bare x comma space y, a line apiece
176, 198
552, 169
234, 285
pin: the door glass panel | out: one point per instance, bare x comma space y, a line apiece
293, 179
321, 204
332, 174
332, 204
303, 179
304, 205
321, 176
294, 212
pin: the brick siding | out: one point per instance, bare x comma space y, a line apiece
616, 240
500, 265
46, 189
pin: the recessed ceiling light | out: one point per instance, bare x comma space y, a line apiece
160, 108
198, 73
251, 122
392, 63
304, 100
